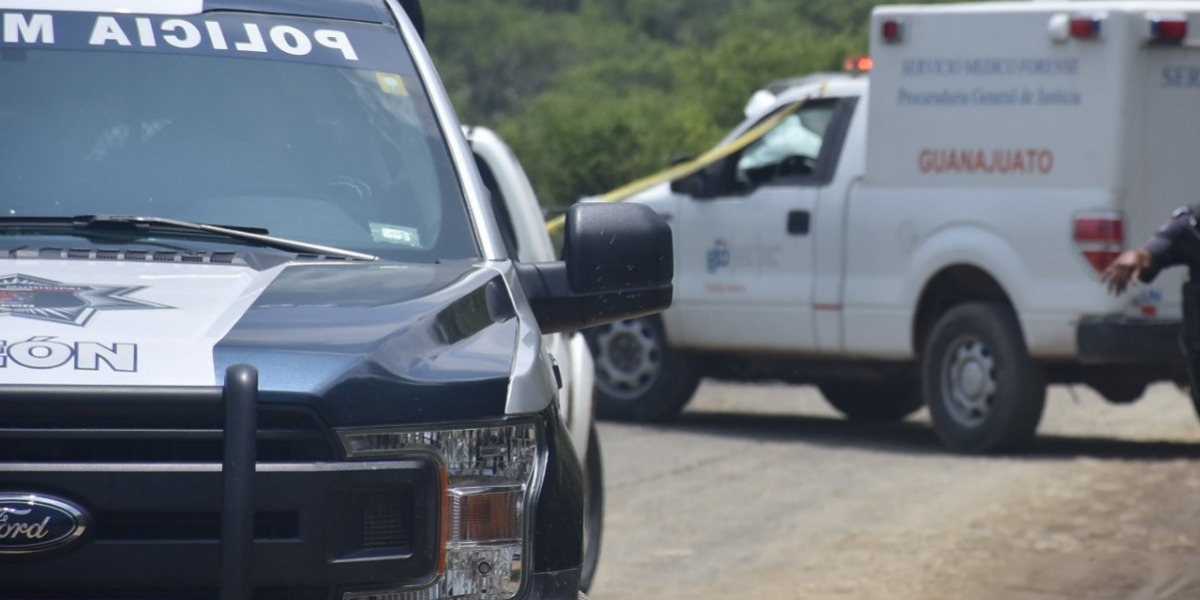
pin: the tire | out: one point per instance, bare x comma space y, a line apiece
984, 392
1191, 373
885, 401
1195, 401
638, 376
1188, 386
593, 510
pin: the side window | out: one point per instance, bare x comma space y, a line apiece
791, 150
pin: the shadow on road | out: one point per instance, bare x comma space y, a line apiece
910, 437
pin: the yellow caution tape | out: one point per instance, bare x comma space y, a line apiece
695, 165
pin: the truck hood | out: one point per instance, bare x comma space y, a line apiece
308, 327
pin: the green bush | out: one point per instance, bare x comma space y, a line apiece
592, 94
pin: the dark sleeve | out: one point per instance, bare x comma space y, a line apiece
1164, 245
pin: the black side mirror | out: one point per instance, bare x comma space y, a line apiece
617, 264
709, 182
695, 185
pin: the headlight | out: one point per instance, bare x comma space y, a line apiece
490, 474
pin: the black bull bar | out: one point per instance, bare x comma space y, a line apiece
240, 397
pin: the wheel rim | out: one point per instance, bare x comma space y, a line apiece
628, 358
969, 382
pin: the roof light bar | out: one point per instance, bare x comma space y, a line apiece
858, 65
1168, 29
1086, 27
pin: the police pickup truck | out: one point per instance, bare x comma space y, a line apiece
933, 233
260, 336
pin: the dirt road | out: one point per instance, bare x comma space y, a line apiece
762, 492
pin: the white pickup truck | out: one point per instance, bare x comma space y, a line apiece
523, 230
933, 232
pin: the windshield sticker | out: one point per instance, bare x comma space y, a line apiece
396, 234
391, 84
45, 300
335, 43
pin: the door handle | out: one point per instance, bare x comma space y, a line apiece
798, 222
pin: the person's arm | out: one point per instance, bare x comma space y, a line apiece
1129, 264
1163, 248
1158, 253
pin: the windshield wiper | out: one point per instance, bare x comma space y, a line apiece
136, 223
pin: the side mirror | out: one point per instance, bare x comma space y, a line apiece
708, 182
695, 185
617, 264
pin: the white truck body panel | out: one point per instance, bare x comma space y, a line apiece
987, 137
1023, 245
737, 271
978, 141
770, 272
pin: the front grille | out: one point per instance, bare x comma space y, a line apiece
270, 593
145, 466
187, 526
131, 445
376, 522
171, 256
387, 521
147, 429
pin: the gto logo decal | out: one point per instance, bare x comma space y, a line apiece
718, 256
34, 523
46, 300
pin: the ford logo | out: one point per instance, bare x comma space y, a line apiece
32, 523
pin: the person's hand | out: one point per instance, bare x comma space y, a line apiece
1127, 266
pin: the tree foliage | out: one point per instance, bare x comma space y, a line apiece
592, 94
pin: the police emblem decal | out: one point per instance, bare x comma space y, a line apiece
45, 300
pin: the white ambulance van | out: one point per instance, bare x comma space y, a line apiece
933, 233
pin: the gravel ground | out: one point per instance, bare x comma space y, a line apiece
761, 491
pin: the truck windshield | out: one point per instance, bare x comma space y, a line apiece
315, 131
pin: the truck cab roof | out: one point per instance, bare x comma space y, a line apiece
821, 85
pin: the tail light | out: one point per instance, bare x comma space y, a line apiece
1100, 237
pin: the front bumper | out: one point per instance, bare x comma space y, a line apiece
158, 526
1121, 340
145, 465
